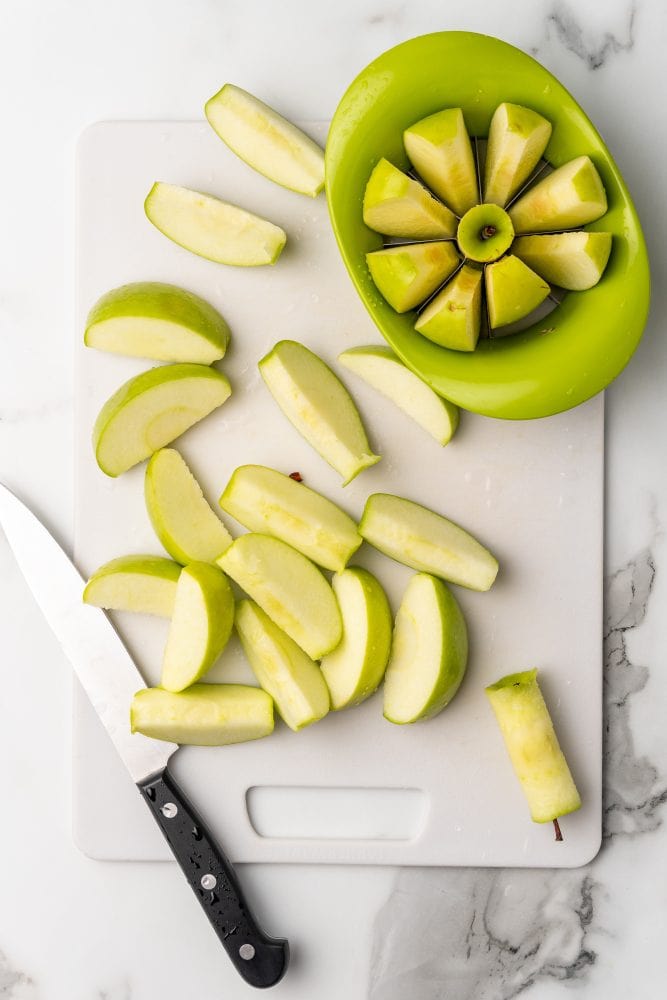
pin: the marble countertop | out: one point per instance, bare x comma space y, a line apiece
75, 929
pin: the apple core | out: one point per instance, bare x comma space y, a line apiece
485, 232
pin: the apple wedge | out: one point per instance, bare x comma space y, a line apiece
381, 369
284, 671
151, 410
572, 196
512, 290
146, 584
426, 541
356, 666
269, 502
317, 403
266, 141
440, 150
517, 140
533, 746
574, 261
429, 652
149, 319
200, 627
214, 229
179, 512
453, 318
289, 588
406, 275
206, 715
397, 205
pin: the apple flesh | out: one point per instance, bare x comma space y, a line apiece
406, 275
397, 205
289, 588
145, 584
426, 541
439, 149
381, 369
269, 502
151, 410
317, 403
429, 652
533, 746
214, 229
149, 319
266, 141
512, 290
485, 232
517, 140
575, 261
572, 196
453, 318
207, 715
283, 669
356, 667
200, 627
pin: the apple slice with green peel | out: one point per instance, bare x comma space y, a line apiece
317, 403
146, 584
200, 625
283, 669
397, 205
406, 275
426, 541
151, 410
214, 229
439, 149
206, 715
533, 747
512, 290
149, 319
517, 140
429, 652
269, 502
380, 368
355, 668
179, 512
453, 318
572, 196
575, 261
266, 141
289, 588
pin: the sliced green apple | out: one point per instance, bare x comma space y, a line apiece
397, 205
151, 410
179, 512
429, 652
149, 319
533, 746
380, 368
289, 588
512, 290
212, 228
146, 584
200, 625
517, 140
485, 232
317, 403
283, 669
571, 196
266, 141
439, 149
453, 318
207, 715
574, 261
426, 541
356, 666
272, 503
406, 275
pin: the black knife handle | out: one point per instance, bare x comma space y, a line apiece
260, 960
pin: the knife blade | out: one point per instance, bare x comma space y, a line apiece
110, 678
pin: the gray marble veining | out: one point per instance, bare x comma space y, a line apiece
15, 985
593, 48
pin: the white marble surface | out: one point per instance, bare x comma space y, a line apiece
73, 929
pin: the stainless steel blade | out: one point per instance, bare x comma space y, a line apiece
89, 640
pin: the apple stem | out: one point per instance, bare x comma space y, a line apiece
559, 835
488, 232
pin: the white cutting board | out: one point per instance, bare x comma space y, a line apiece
531, 491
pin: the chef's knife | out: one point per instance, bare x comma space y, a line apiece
110, 679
